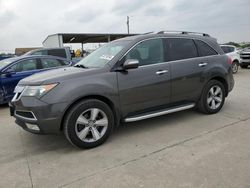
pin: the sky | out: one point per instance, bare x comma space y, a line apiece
26, 23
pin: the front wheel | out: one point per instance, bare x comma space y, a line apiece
212, 98
89, 123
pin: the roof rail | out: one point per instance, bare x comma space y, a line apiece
151, 32
185, 33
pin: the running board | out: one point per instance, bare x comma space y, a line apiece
159, 113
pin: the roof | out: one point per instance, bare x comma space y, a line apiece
90, 37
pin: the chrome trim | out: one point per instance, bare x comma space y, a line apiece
132, 119
25, 118
202, 64
15, 98
161, 72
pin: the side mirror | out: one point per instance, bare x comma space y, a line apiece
131, 64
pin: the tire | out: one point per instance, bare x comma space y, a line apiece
209, 101
244, 66
235, 67
89, 123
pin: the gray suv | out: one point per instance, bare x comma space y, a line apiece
127, 80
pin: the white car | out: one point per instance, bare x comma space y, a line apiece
234, 53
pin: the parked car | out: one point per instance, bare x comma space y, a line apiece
234, 53
245, 58
12, 70
58, 52
127, 80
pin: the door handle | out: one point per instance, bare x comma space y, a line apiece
202, 64
160, 72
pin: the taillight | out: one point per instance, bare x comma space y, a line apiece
229, 61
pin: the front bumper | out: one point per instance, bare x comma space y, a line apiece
32, 112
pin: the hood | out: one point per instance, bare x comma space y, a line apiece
58, 75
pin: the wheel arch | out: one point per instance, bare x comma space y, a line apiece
222, 80
98, 97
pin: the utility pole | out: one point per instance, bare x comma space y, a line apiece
128, 23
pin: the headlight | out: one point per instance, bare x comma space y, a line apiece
37, 91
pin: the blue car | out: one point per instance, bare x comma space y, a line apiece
12, 70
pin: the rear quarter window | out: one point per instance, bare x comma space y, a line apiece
204, 49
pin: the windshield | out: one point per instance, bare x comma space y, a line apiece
102, 55
5, 62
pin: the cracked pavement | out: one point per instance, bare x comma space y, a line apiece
185, 149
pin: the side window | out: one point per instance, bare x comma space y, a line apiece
230, 49
178, 49
50, 63
57, 52
25, 65
64, 63
40, 52
147, 52
225, 49
204, 49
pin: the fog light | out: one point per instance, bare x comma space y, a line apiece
32, 127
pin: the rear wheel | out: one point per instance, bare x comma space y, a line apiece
243, 66
235, 67
89, 123
213, 97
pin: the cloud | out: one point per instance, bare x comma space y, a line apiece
28, 22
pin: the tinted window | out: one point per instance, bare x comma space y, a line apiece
147, 52
25, 65
49, 63
177, 49
57, 52
204, 49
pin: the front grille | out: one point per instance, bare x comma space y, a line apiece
245, 56
25, 114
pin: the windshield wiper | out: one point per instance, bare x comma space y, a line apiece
81, 66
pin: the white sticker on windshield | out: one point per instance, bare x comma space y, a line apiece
107, 57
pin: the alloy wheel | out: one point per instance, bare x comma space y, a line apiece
214, 97
235, 67
91, 125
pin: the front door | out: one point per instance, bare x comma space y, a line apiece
149, 85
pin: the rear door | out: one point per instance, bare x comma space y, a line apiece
186, 69
18, 71
149, 85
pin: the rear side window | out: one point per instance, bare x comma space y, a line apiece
25, 65
50, 63
57, 52
204, 49
178, 49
